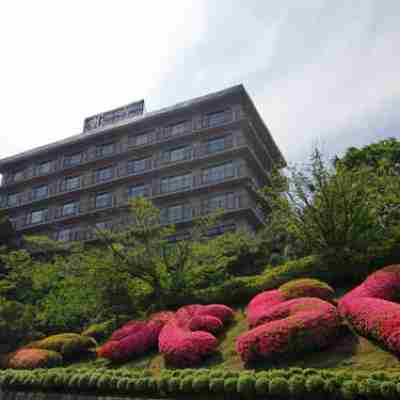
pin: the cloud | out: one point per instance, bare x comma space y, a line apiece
317, 69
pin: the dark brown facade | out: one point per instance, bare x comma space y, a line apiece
207, 153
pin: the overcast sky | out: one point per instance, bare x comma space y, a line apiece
324, 72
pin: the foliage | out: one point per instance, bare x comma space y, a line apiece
32, 359
322, 210
101, 330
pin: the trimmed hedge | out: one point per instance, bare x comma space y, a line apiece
31, 359
294, 383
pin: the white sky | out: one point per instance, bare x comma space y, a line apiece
324, 71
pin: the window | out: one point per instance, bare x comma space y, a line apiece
64, 235
73, 182
40, 192
215, 145
104, 200
12, 200
175, 213
178, 128
178, 154
217, 201
136, 166
175, 183
104, 174
218, 173
216, 118
101, 225
38, 216
220, 229
70, 208
136, 191
105, 150
72, 160
44, 168
18, 176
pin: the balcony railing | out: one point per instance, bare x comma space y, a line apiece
125, 145
90, 178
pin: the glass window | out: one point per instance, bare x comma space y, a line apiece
40, 192
136, 191
217, 201
215, 145
218, 172
178, 128
64, 235
73, 182
181, 153
18, 176
104, 200
101, 225
44, 168
135, 166
175, 183
38, 216
105, 150
12, 200
216, 118
175, 213
70, 208
142, 139
104, 174
75, 159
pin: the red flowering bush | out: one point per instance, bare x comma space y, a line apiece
371, 310
260, 305
134, 338
187, 338
32, 358
291, 327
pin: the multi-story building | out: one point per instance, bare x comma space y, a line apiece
206, 153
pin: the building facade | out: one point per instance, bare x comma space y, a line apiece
207, 153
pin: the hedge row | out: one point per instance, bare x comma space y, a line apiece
293, 383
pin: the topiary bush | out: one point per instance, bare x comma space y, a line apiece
32, 359
371, 310
296, 326
246, 385
100, 331
307, 287
69, 345
180, 341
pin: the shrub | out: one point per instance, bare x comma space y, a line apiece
315, 385
185, 385
246, 385
216, 385
296, 326
180, 341
262, 386
307, 287
200, 384
349, 390
370, 308
68, 345
32, 359
100, 331
230, 385
279, 387
297, 386
389, 390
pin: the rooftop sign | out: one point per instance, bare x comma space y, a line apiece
113, 116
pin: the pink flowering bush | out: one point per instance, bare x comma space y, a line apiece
291, 327
259, 306
188, 337
134, 338
371, 310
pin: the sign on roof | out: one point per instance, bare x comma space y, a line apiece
113, 116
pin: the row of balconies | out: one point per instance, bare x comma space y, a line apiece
228, 202
120, 196
124, 144
121, 170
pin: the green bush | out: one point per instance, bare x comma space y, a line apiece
100, 331
186, 384
389, 390
315, 385
216, 385
262, 386
297, 386
230, 385
369, 388
201, 384
246, 385
279, 387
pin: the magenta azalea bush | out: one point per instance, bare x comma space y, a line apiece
259, 306
188, 337
370, 308
134, 338
291, 327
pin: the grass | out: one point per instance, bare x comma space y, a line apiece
349, 352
